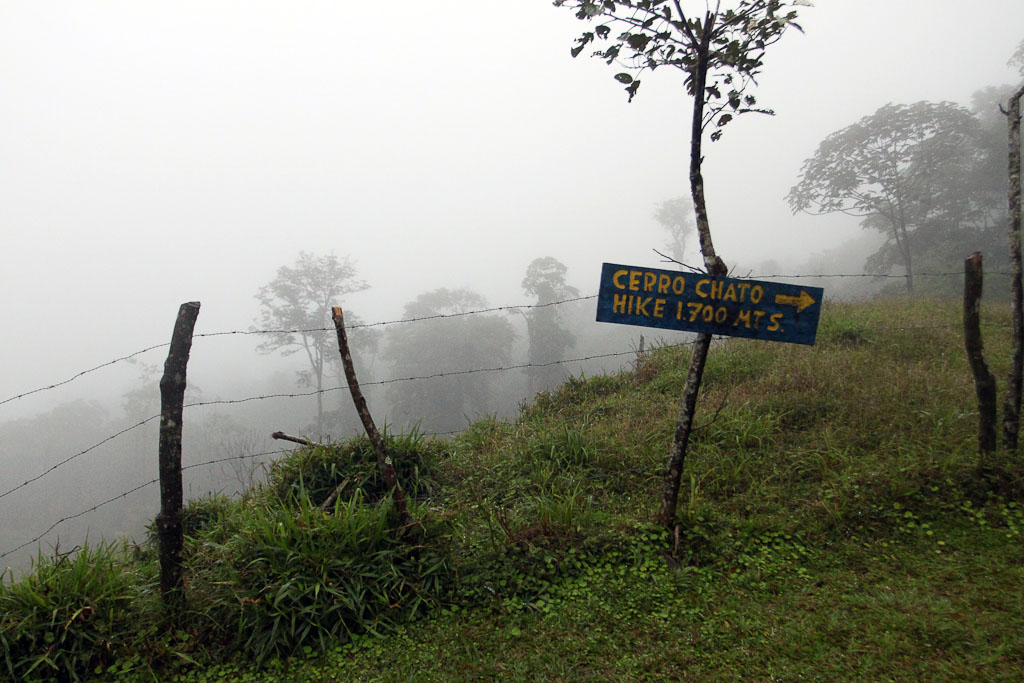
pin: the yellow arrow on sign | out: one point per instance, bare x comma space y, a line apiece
801, 302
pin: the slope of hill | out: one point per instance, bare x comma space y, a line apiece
836, 523
837, 520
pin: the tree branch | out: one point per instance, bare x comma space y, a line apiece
294, 439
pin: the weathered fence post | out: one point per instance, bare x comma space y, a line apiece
984, 382
1011, 406
172, 400
384, 463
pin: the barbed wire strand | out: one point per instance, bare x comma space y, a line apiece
130, 491
60, 521
423, 318
453, 373
299, 330
83, 372
872, 275
65, 461
283, 451
305, 394
435, 375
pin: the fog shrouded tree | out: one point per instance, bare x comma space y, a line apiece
988, 105
719, 47
676, 217
295, 312
446, 342
968, 211
549, 339
903, 169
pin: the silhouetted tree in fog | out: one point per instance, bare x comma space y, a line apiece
443, 345
676, 217
905, 169
549, 339
295, 309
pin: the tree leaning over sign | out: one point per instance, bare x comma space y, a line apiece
721, 53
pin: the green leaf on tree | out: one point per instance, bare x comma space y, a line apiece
638, 41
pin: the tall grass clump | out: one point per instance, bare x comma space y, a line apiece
346, 467
283, 579
69, 616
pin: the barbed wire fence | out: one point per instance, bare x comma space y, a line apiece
123, 494
495, 309
290, 395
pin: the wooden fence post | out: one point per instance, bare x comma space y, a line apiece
384, 463
1011, 406
172, 400
984, 382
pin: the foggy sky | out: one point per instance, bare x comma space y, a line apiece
156, 153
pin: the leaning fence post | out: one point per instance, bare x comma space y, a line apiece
984, 382
384, 463
172, 400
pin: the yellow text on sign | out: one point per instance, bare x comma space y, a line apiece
695, 311
706, 288
646, 281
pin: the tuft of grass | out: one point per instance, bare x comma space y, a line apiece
282, 579
565, 446
72, 614
198, 514
319, 470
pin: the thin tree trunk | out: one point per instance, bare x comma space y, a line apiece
712, 263
384, 463
1011, 406
903, 242
172, 399
984, 382
715, 266
684, 427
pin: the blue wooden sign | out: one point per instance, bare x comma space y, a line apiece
697, 302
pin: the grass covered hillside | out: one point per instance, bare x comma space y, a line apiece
836, 523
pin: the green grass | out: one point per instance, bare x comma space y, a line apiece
74, 612
836, 522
